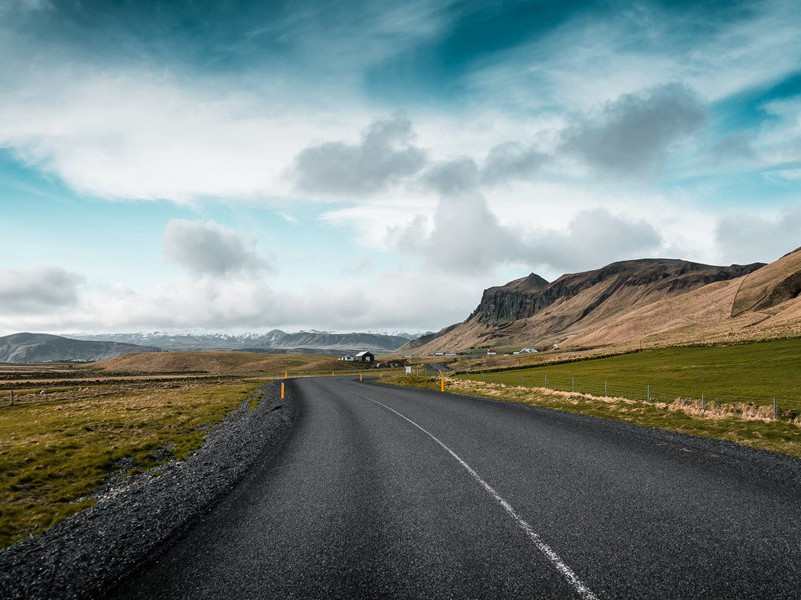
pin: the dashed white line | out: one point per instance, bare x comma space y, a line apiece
582, 590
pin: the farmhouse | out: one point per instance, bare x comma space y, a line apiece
365, 356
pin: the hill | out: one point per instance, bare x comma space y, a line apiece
275, 340
648, 301
41, 347
224, 363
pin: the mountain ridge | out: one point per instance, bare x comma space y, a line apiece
628, 301
44, 347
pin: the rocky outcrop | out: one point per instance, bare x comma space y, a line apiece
523, 298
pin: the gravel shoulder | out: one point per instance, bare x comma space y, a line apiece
95, 549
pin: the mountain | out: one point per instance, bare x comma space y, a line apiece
621, 303
41, 347
277, 340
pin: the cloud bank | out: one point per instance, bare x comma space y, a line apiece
38, 290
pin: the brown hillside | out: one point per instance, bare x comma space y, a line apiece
570, 309
220, 363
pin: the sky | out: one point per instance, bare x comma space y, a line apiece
241, 166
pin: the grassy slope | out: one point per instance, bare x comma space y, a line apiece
775, 436
226, 362
57, 448
750, 372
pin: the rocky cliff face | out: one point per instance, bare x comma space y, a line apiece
523, 298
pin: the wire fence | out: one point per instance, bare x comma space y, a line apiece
779, 407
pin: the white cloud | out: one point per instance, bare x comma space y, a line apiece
511, 161
593, 237
634, 134
38, 290
747, 238
208, 248
384, 155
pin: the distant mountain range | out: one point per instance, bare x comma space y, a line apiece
637, 302
42, 347
308, 341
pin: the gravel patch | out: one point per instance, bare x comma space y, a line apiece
91, 551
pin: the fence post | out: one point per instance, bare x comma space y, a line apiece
774, 407
649, 392
12, 397
703, 403
606, 391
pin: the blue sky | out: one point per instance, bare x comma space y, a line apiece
371, 165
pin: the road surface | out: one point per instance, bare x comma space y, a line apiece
395, 493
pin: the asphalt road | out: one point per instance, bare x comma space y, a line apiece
393, 493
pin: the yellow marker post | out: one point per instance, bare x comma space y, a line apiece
442, 383
360, 376
282, 390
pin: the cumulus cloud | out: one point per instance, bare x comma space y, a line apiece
593, 239
450, 177
208, 248
512, 161
465, 236
634, 134
746, 238
37, 290
384, 155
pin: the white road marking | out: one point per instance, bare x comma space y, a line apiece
581, 589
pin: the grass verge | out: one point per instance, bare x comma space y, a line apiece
59, 445
725, 422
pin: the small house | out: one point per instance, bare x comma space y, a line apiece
365, 356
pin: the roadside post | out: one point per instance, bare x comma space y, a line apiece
360, 376
442, 382
774, 407
284, 374
282, 390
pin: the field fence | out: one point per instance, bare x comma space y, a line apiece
777, 407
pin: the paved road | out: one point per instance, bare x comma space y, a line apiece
389, 493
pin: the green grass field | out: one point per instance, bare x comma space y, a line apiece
57, 447
744, 373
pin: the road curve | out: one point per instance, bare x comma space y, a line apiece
395, 493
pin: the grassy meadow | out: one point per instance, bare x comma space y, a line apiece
754, 373
59, 445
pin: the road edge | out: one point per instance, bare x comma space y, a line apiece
92, 551
780, 468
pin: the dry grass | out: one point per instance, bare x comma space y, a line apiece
743, 424
226, 362
58, 446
